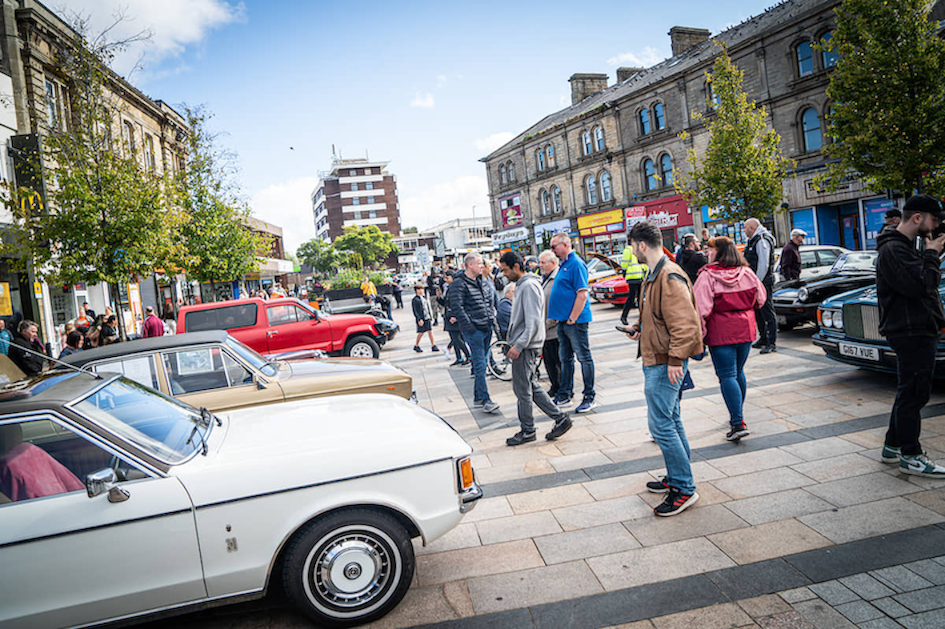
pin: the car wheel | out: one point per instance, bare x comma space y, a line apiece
362, 347
349, 568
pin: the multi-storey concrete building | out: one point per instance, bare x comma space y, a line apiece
355, 192
610, 158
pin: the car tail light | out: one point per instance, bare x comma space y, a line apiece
466, 476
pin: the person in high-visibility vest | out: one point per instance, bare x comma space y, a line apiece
634, 272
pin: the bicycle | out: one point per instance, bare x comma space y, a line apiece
500, 365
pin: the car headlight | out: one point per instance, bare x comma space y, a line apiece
838, 319
803, 294
827, 318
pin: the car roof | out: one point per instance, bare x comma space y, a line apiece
237, 302
149, 345
48, 390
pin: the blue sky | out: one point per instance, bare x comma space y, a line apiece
429, 86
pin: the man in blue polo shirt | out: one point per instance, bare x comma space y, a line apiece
568, 305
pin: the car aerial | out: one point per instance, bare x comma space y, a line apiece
215, 370
849, 331
276, 326
796, 301
118, 502
815, 260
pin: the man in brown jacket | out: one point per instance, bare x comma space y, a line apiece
669, 332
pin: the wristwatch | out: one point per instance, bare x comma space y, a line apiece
569, 321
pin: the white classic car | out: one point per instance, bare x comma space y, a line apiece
117, 502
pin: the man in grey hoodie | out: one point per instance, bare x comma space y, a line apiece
526, 337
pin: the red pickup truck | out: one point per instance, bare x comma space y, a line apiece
279, 326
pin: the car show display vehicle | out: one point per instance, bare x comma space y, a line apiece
796, 301
215, 370
118, 502
815, 260
613, 290
276, 326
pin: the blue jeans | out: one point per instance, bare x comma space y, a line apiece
572, 340
662, 411
479, 341
729, 363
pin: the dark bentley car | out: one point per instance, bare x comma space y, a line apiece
796, 301
849, 331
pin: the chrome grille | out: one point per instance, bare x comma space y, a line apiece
861, 321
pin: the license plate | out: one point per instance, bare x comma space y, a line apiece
859, 351
782, 319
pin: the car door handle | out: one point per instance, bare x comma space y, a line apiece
271, 333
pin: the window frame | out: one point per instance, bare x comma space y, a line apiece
587, 142
659, 115
602, 177
510, 167
503, 177
647, 177
643, 119
556, 199
825, 55
540, 159
663, 171
550, 152
599, 143
590, 189
805, 131
544, 202
799, 61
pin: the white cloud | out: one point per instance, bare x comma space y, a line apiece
424, 100
494, 141
443, 202
640, 59
288, 204
440, 80
173, 25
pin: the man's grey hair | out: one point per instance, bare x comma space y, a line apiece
25, 325
472, 255
561, 237
548, 256
509, 289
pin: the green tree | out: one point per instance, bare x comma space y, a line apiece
107, 218
887, 120
218, 246
742, 172
409, 230
370, 243
319, 255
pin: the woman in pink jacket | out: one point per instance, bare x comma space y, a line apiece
727, 295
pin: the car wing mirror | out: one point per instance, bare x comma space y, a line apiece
105, 480
260, 384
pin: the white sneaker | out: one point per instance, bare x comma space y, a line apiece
920, 465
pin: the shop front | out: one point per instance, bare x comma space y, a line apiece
734, 229
854, 224
515, 239
603, 232
671, 214
545, 231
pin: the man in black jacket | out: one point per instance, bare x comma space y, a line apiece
471, 302
690, 258
759, 253
910, 317
25, 338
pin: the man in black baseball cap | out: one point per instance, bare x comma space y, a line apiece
910, 317
891, 221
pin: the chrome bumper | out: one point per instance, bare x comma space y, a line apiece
469, 498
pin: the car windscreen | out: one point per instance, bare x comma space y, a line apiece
855, 261
252, 357
223, 318
168, 430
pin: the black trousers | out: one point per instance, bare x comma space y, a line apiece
915, 365
459, 345
400, 300
766, 318
549, 356
632, 298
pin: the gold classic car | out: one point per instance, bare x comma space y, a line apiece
214, 370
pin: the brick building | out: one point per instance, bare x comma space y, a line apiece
355, 192
611, 156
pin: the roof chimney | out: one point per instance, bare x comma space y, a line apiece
625, 73
683, 38
584, 85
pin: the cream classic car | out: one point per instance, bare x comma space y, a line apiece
215, 370
118, 502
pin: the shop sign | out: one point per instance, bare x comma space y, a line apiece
509, 235
6, 307
849, 183
37, 290
710, 214
664, 219
511, 211
555, 227
634, 215
601, 222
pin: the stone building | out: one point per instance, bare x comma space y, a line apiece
610, 157
355, 192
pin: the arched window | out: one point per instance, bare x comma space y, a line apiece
813, 138
711, 98
830, 58
805, 59
545, 203
502, 175
666, 170
556, 199
605, 193
551, 155
660, 116
649, 173
511, 172
599, 136
644, 121
591, 186
540, 159
588, 147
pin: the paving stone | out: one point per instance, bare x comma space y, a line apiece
869, 520
725, 616
777, 506
901, 579
859, 611
785, 620
859, 489
766, 541
658, 563
842, 466
890, 607
489, 508
525, 588
420, 605
762, 482
866, 586
547, 499
928, 620
757, 579
457, 595
455, 565
822, 615
928, 570
652, 531
755, 461
463, 536
766, 605
583, 543
834, 592
923, 600
579, 461
618, 487
821, 448
934, 500
601, 512
517, 527
797, 595
880, 623
702, 471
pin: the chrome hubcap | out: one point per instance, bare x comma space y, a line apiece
351, 570
362, 350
